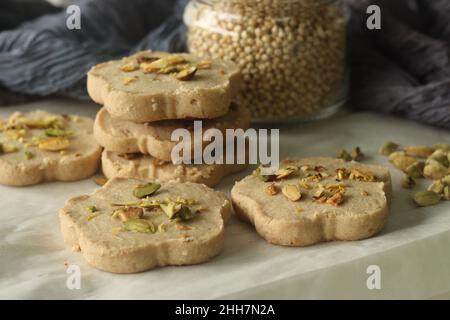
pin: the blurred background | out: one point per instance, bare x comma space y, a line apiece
402, 69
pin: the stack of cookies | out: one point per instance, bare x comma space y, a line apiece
149, 95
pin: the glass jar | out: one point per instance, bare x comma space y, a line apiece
292, 52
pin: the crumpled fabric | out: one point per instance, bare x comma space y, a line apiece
402, 69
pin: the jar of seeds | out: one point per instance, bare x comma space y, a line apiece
292, 52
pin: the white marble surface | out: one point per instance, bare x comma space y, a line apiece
412, 251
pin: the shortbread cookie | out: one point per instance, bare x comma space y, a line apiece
146, 167
315, 199
152, 86
39, 146
131, 225
154, 138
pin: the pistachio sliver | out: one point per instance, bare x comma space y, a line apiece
55, 132
54, 144
187, 74
129, 213
8, 148
29, 155
186, 213
170, 209
129, 67
415, 170
162, 63
92, 209
142, 191
263, 177
291, 192
139, 226
285, 172
205, 64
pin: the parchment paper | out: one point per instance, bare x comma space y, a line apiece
412, 252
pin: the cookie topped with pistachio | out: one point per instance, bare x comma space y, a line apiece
132, 225
151, 86
40, 146
310, 200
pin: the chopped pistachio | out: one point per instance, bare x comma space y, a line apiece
187, 74
29, 155
415, 170
92, 209
162, 227
356, 154
292, 192
127, 80
100, 180
304, 185
92, 216
175, 210
54, 144
55, 132
129, 213
344, 155
271, 189
264, 178
439, 156
442, 146
446, 180
446, 193
319, 192
435, 170
285, 172
342, 173
387, 148
42, 123
407, 182
139, 226
396, 154
162, 63
340, 187
129, 67
94, 212
8, 148
402, 161
419, 151
367, 176
305, 168
205, 64
426, 198
146, 190
437, 186
336, 199
170, 209
16, 134
185, 213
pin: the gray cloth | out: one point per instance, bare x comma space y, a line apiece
402, 69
